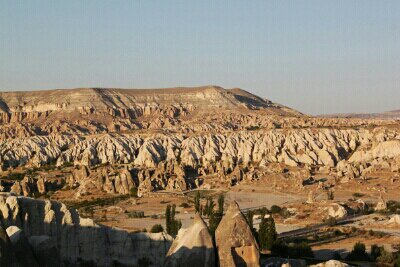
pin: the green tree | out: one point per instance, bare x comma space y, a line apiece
249, 218
221, 200
376, 251
329, 194
168, 219
267, 232
171, 223
397, 261
197, 205
358, 253
215, 217
213, 222
275, 209
209, 207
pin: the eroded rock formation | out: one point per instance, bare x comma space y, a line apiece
50, 225
192, 247
235, 242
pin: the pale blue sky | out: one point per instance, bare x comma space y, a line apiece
315, 56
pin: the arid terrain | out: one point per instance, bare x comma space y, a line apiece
119, 157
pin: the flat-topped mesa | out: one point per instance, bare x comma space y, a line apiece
107, 98
99, 110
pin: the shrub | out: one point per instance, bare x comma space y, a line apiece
301, 250
136, 214
358, 195
184, 205
337, 232
294, 251
393, 207
284, 213
275, 209
134, 192
280, 249
337, 256
157, 228
371, 232
386, 257
14, 176
376, 251
358, 253
397, 262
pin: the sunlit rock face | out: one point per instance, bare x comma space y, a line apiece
235, 242
192, 247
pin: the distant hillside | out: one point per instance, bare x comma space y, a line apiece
108, 98
394, 114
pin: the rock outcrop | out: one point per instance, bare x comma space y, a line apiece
21, 247
49, 225
394, 220
7, 256
192, 247
235, 242
337, 211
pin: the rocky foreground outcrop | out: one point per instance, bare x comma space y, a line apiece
235, 242
51, 226
192, 247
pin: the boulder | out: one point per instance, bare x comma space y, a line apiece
279, 262
331, 263
235, 242
337, 211
381, 205
395, 220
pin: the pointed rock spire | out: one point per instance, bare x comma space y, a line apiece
192, 247
235, 242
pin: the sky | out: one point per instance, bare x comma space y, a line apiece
315, 56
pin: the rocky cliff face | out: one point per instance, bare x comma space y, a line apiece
293, 147
98, 110
161, 161
79, 239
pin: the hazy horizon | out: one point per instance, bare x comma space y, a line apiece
316, 57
